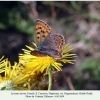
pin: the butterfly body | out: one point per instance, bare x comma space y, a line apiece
48, 44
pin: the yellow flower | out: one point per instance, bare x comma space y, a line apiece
37, 81
11, 77
42, 64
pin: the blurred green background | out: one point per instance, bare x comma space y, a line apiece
79, 22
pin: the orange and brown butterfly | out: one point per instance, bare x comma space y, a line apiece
48, 43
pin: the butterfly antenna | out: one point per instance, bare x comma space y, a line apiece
31, 42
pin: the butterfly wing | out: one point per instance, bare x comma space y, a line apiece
53, 41
42, 30
52, 45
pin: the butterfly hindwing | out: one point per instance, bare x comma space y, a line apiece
53, 41
52, 45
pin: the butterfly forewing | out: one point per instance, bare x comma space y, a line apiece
42, 30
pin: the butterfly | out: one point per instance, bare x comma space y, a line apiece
47, 43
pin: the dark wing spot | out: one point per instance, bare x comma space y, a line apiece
43, 35
42, 31
38, 32
38, 37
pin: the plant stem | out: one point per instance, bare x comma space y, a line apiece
50, 78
